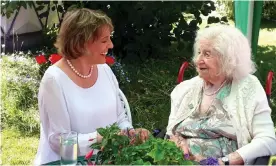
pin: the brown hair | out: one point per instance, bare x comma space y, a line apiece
78, 27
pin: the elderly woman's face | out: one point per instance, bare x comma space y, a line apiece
207, 62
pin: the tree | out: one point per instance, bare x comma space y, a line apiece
142, 29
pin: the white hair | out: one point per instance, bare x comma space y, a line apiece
232, 47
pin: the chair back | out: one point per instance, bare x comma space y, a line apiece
125, 105
268, 85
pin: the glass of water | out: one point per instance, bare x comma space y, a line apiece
69, 148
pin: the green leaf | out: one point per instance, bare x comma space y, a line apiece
138, 162
188, 162
60, 9
53, 8
157, 153
102, 132
104, 142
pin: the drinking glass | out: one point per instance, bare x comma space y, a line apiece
69, 148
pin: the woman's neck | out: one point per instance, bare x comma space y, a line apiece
215, 83
81, 65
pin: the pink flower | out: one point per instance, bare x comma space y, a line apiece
89, 154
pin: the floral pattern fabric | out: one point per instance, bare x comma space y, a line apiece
210, 134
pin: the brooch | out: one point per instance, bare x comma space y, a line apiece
191, 106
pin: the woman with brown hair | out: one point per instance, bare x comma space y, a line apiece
80, 92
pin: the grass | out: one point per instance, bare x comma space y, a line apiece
18, 148
267, 35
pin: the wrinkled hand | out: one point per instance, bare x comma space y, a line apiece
182, 144
197, 158
143, 133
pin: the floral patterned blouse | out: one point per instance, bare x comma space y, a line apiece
210, 134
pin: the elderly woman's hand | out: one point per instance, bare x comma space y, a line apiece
182, 144
196, 158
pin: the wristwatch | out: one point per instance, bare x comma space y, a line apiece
225, 160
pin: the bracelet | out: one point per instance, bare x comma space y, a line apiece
209, 161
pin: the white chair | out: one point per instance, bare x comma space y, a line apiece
126, 105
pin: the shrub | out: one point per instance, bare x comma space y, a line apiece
19, 84
149, 91
269, 10
142, 29
226, 7
146, 29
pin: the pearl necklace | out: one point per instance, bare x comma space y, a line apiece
215, 92
80, 75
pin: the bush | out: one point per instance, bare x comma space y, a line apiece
142, 29
226, 7
149, 91
265, 60
269, 10
146, 29
19, 84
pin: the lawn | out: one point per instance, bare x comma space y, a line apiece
143, 95
17, 148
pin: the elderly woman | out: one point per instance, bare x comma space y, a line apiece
79, 93
222, 115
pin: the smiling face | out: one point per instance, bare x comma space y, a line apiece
207, 61
98, 48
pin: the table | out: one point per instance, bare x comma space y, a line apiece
267, 160
81, 161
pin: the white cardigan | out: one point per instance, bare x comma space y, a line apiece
248, 108
64, 106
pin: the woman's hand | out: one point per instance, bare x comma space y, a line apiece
143, 133
197, 158
182, 144
99, 138
128, 132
